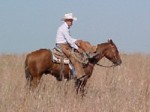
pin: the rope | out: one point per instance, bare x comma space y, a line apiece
78, 57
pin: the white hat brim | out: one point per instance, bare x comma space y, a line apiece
74, 18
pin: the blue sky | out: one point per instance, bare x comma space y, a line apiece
27, 25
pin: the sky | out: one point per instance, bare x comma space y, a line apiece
28, 25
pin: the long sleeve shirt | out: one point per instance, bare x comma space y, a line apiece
63, 36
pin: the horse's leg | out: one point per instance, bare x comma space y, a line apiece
35, 81
80, 86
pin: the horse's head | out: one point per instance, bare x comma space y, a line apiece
110, 51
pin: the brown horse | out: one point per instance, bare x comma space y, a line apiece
39, 62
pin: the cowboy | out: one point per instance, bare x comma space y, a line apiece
66, 43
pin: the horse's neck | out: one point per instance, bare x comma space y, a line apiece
101, 49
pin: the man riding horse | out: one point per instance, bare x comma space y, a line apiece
66, 43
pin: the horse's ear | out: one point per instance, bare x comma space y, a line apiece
110, 41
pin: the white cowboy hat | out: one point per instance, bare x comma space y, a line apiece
69, 16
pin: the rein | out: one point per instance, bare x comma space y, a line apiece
105, 66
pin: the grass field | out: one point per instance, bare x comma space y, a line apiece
125, 88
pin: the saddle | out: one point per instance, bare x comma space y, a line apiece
58, 56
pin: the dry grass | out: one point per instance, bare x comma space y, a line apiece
122, 89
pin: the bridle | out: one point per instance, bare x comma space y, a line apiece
113, 65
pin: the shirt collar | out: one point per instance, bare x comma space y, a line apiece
66, 25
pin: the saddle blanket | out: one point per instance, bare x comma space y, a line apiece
58, 60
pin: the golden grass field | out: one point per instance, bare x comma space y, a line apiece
125, 88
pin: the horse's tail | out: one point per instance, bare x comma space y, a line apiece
27, 71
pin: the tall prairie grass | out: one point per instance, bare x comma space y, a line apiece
125, 88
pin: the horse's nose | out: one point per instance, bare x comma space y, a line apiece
119, 62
